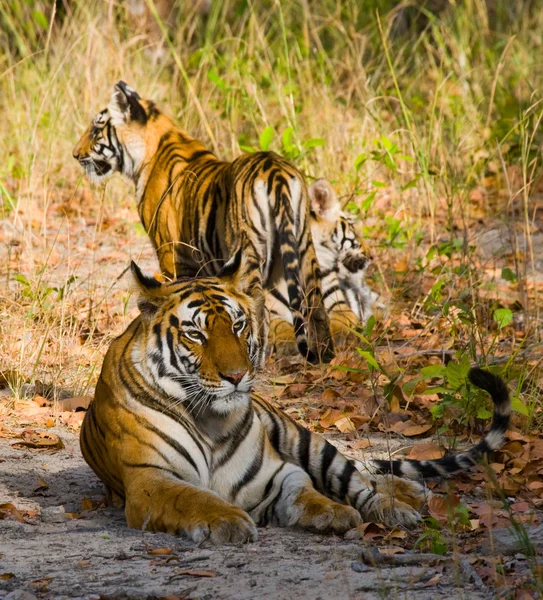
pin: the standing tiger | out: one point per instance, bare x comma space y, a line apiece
198, 210
175, 434
347, 298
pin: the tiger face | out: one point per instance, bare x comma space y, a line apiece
336, 242
121, 137
201, 343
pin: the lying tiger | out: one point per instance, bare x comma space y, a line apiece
175, 434
347, 298
197, 209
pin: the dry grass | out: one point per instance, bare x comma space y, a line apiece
460, 99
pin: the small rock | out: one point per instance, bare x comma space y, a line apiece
20, 595
53, 514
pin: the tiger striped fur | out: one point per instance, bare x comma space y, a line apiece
175, 433
347, 298
197, 209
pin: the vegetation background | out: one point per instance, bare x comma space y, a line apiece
425, 116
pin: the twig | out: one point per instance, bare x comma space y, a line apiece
374, 558
471, 574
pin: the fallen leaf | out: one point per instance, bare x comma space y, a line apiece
413, 430
197, 573
441, 507
10, 510
7, 576
330, 417
391, 550
71, 515
428, 451
345, 425
41, 401
329, 396
361, 444
75, 403
83, 563
160, 551
42, 582
39, 440
88, 504
42, 485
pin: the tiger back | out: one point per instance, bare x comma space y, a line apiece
198, 209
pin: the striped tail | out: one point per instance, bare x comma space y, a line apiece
443, 467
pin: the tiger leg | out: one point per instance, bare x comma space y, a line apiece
290, 500
282, 337
320, 338
393, 501
256, 291
160, 502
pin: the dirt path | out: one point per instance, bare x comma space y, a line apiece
54, 556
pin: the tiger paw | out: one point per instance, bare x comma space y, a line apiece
394, 501
233, 527
316, 512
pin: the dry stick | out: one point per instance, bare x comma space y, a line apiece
373, 558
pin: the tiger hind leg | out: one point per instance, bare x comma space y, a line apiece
320, 337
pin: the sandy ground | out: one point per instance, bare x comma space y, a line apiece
96, 556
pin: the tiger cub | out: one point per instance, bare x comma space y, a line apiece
198, 209
175, 433
348, 299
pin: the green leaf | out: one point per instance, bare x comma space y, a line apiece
518, 406
502, 316
433, 371
484, 413
367, 202
313, 143
387, 144
378, 184
411, 184
20, 278
215, 78
287, 138
509, 275
40, 19
370, 359
249, 149
266, 138
360, 160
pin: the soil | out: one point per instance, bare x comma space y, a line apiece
66, 552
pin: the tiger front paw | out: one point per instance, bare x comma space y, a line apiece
233, 527
316, 512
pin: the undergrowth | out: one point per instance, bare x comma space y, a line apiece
430, 133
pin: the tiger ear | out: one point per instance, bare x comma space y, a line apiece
124, 106
239, 271
150, 292
324, 200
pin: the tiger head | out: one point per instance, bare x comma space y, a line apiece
200, 337
122, 137
336, 242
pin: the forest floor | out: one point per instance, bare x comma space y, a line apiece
59, 540
434, 147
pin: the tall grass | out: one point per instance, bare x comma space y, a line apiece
422, 133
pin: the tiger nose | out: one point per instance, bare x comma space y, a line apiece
76, 153
234, 377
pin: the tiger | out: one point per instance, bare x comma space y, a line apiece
179, 437
347, 298
196, 209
